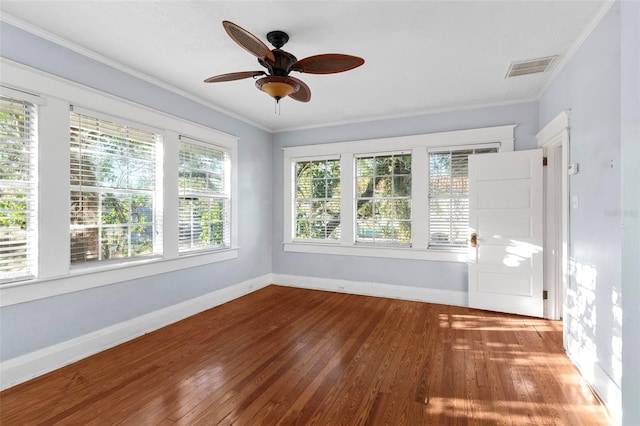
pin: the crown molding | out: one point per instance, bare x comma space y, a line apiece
39, 32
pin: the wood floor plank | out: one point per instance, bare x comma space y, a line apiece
297, 378
292, 356
326, 391
252, 372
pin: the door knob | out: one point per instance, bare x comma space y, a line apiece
474, 240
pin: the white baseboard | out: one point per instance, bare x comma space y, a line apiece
430, 295
608, 391
36, 363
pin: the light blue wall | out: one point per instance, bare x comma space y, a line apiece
415, 273
590, 87
600, 81
630, 132
30, 326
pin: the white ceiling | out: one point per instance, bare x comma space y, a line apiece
421, 56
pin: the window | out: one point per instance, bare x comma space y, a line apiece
18, 244
113, 190
405, 197
204, 200
104, 204
317, 199
383, 199
449, 196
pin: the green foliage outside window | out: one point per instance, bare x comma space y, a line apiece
13, 158
383, 191
317, 200
14, 184
112, 176
202, 223
203, 203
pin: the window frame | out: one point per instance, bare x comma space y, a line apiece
294, 198
418, 146
55, 274
30, 186
155, 192
375, 198
452, 149
225, 195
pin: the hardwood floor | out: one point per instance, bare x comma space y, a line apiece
292, 356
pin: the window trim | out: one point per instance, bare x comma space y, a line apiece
293, 198
54, 95
30, 186
228, 195
441, 149
375, 198
418, 146
156, 192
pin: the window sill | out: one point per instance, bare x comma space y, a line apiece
372, 251
86, 277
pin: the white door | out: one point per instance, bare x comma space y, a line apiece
506, 216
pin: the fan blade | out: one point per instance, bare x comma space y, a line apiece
303, 94
328, 63
248, 41
234, 76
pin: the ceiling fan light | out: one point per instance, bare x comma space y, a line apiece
277, 87
277, 90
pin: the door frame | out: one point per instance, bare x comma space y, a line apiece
554, 140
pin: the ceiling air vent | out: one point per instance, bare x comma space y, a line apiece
531, 66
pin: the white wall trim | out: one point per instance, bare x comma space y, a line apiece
418, 146
83, 279
601, 383
40, 83
39, 32
547, 136
459, 256
556, 135
502, 134
55, 274
428, 295
36, 363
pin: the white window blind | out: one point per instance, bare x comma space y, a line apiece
317, 199
204, 196
449, 196
18, 229
383, 199
113, 190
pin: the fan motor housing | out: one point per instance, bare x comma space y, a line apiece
282, 65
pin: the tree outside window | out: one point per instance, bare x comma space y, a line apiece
204, 202
317, 200
383, 199
112, 190
17, 191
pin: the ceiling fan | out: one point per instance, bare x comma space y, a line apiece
279, 63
